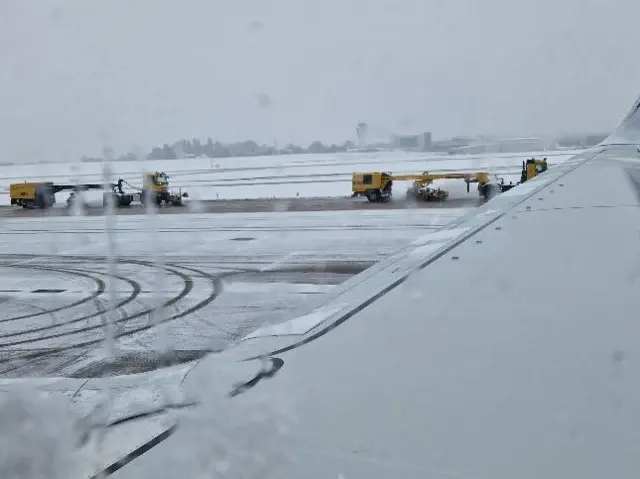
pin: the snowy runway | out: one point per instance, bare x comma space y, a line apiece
217, 278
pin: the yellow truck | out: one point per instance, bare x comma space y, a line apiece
155, 188
378, 186
43, 194
533, 168
32, 195
530, 169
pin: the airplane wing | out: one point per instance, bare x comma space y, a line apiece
500, 347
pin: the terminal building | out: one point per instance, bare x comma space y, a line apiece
503, 145
420, 142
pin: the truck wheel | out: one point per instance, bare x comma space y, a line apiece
41, 201
374, 196
489, 190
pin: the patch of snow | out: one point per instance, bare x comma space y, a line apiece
266, 288
439, 236
300, 325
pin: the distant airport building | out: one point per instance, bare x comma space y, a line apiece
421, 142
503, 145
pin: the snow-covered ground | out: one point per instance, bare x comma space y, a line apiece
220, 276
287, 176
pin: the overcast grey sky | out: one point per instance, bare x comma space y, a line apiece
78, 74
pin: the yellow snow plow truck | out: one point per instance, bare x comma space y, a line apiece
155, 188
377, 186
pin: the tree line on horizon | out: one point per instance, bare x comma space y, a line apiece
194, 148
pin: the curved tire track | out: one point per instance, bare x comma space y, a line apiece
87, 275
187, 288
35, 356
136, 289
216, 281
215, 292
